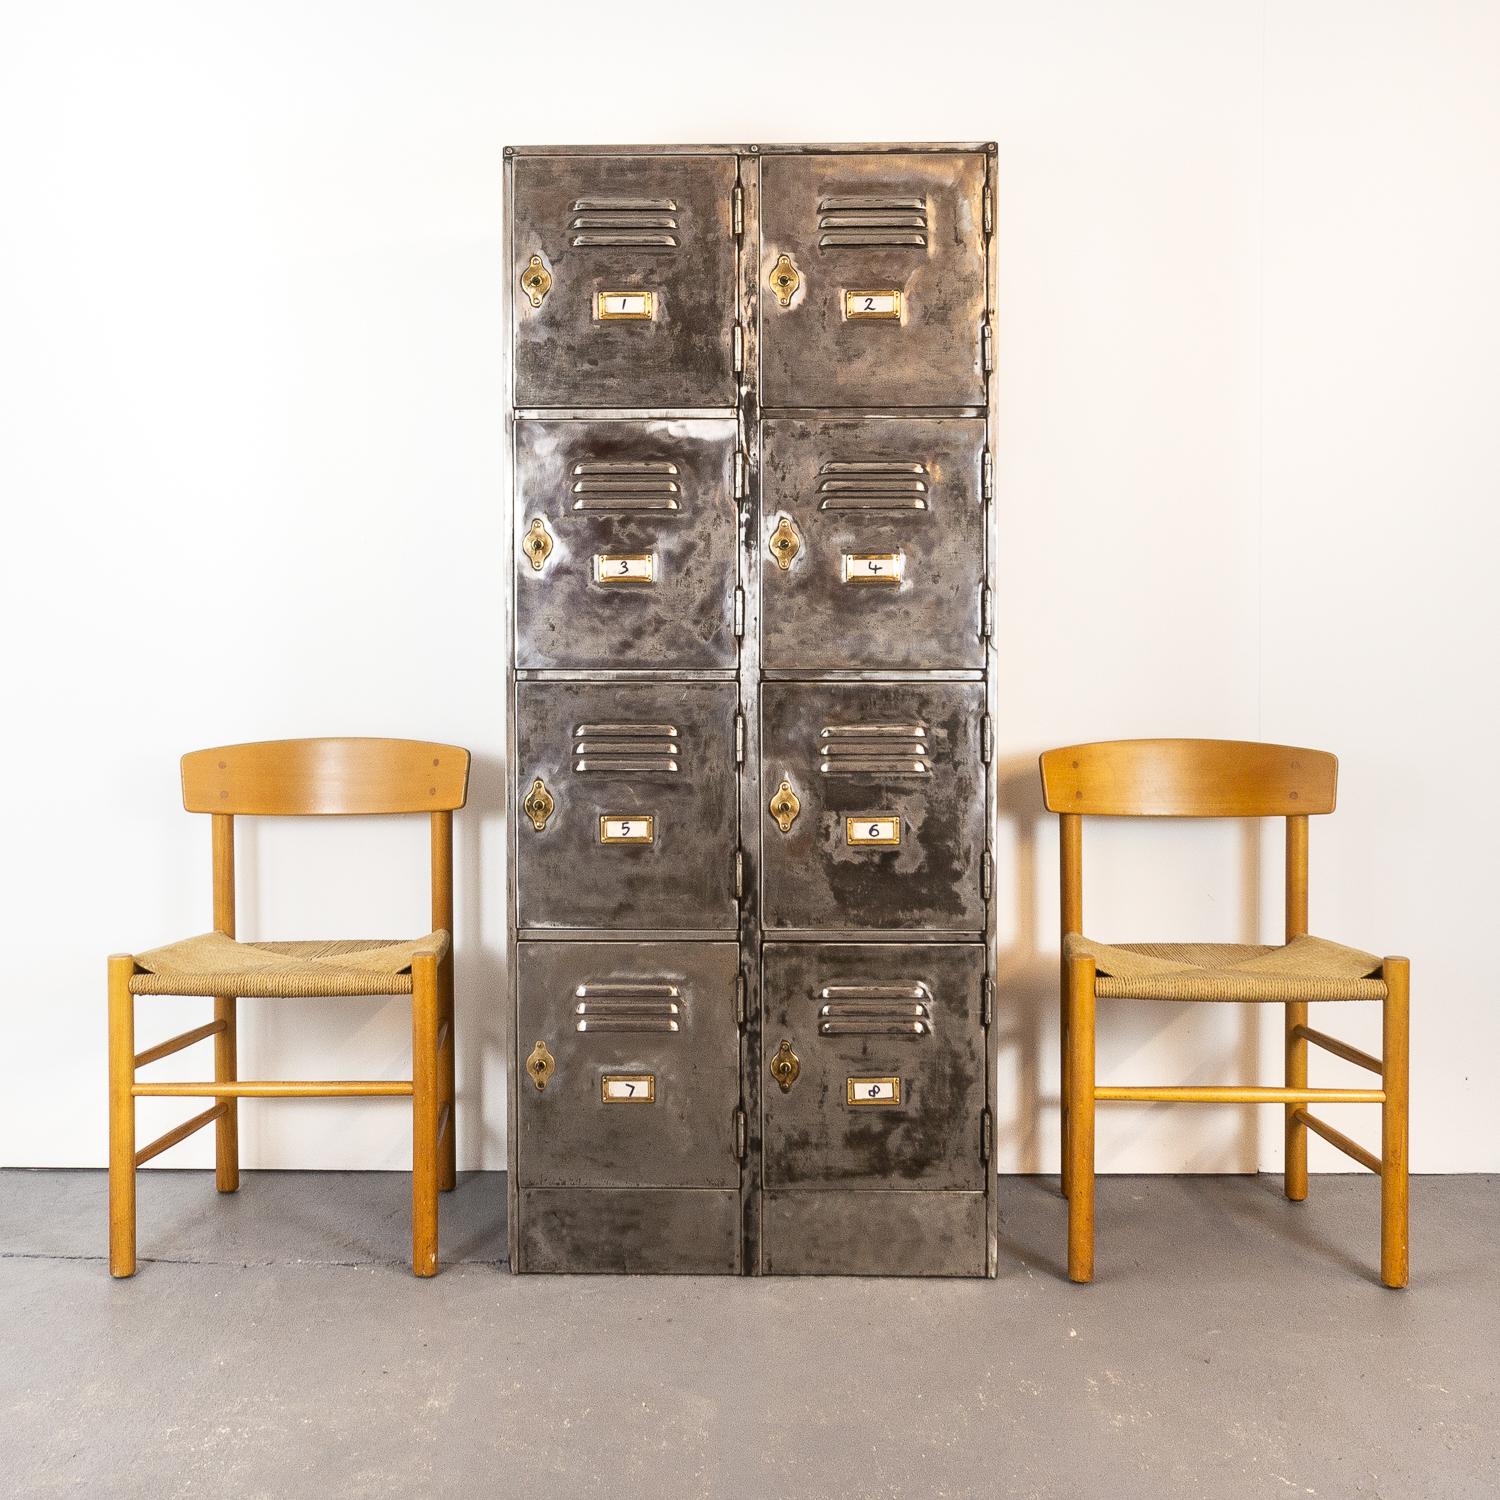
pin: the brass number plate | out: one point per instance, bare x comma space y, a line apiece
624, 567
628, 1088
873, 1091
873, 828
612, 306
859, 305
627, 828
874, 567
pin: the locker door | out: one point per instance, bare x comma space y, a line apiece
872, 543
629, 1138
626, 799
626, 544
625, 281
873, 279
873, 806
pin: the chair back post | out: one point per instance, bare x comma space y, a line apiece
1296, 876
223, 841
442, 872
1070, 871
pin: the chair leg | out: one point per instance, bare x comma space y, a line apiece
121, 1117
1063, 1050
226, 1070
426, 1092
1394, 1127
1080, 1095
448, 1158
1294, 1166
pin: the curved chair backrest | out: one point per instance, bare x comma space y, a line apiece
326, 776
1189, 779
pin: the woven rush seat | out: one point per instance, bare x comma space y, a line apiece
214, 964
1307, 968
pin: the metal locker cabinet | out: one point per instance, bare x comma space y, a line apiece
751, 702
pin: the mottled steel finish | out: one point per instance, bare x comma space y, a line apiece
664, 749
909, 749
876, 1010
908, 489
641, 1231
811, 353
831, 1232
565, 354
661, 1010
749, 542
663, 490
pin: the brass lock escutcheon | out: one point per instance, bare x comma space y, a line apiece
785, 543
537, 543
538, 805
785, 807
785, 280
785, 1065
536, 280
540, 1065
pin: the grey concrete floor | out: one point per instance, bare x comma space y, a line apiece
1235, 1345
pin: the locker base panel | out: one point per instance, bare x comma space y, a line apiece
831, 1232
644, 1231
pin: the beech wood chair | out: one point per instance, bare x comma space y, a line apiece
1222, 779
296, 778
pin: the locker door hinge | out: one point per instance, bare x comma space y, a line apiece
986, 1134
739, 997
739, 612
986, 347
986, 609
739, 874
986, 739
987, 1002
739, 738
989, 213
739, 349
986, 874
987, 476
741, 1134
738, 210
741, 473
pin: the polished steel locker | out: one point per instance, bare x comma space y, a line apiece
751, 705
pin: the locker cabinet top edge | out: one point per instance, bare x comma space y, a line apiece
767, 148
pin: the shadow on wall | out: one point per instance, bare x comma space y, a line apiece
479, 968
1027, 1011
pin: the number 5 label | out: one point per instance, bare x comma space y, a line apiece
627, 828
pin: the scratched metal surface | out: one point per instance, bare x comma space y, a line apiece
875, 1010
856, 489
814, 736
811, 354
610, 489
565, 356
565, 876
663, 1011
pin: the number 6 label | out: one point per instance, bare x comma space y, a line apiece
873, 828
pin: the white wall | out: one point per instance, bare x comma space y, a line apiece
250, 458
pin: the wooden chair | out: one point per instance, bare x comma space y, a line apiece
1222, 779
296, 778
